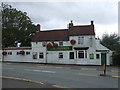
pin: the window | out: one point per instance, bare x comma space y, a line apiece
60, 43
71, 55
91, 56
9, 53
97, 56
41, 55
34, 55
85, 54
44, 44
80, 40
60, 55
17, 53
80, 54
27, 53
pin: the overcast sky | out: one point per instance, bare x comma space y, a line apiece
56, 15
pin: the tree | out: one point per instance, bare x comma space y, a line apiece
112, 42
16, 27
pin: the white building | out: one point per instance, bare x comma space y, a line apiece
74, 45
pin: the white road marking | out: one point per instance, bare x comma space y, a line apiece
8, 63
58, 67
7, 68
88, 68
115, 71
44, 71
85, 74
40, 71
27, 69
41, 66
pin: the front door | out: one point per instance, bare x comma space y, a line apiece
103, 59
71, 55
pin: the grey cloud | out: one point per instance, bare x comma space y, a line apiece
57, 14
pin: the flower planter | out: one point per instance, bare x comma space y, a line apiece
22, 52
55, 45
4, 53
49, 45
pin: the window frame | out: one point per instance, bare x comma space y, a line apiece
91, 56
97, 56
9, 53
44, 44
81, 40
35, 55
60, 56
60, 43
27, 53
82, 53
41, 55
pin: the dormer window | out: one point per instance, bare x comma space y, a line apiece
81, 40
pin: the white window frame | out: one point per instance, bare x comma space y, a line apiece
84, 52
81, 40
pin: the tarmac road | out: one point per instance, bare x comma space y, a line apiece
68, 76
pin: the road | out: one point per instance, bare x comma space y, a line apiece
66, 76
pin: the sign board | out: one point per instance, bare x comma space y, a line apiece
62, 48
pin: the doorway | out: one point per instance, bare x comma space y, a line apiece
103, 59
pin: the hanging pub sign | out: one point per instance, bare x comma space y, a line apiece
72, 41
62, 48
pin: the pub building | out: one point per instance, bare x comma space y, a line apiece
76, 44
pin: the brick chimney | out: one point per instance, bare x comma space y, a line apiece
92, 22
38, 27
71, 24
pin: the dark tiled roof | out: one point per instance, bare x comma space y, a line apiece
52, 35
63, 34
82, 30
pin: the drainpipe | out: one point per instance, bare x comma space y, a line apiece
46, 53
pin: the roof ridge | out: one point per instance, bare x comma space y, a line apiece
81, 25
54, 30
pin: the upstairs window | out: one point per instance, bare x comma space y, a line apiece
60, 43
80, 40
44, 44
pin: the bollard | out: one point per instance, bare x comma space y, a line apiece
104, 67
